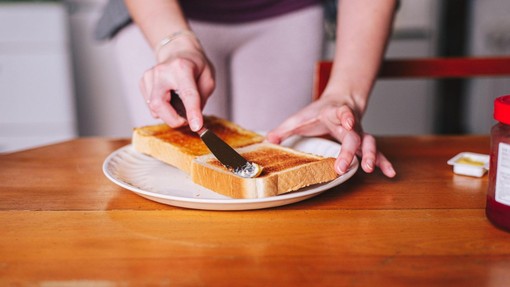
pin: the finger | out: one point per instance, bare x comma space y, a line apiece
342, 115
307, 122
350, 145
281, 132
295, 127
274, 136
162, 83
160, 106
349, 139
188, 92
145, 89
329, 118
368, 153
206, 85
166, 112
191, 100
385, 165
346, 116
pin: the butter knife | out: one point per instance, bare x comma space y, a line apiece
225, 154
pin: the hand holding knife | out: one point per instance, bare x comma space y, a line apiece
230, 158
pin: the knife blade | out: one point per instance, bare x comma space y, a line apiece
225, 154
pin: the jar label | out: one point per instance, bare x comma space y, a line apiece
503, 174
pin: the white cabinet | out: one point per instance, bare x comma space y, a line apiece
36, 91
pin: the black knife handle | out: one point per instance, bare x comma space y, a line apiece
177, 104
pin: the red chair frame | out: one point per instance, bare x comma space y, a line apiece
466, 67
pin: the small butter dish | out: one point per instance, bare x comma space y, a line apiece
468, 163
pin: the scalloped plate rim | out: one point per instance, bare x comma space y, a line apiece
228, 203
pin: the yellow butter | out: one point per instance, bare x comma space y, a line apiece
469, 161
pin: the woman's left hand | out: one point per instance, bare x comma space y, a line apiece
326, 116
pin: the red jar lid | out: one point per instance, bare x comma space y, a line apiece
502, 109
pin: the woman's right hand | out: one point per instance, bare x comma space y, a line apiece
184, 68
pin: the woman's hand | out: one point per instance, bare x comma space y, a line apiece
184, 68
340, 120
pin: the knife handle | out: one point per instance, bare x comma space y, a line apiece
177, 104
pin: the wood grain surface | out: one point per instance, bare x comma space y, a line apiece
63, 223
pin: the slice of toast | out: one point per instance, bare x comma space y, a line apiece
180, 146
285, 170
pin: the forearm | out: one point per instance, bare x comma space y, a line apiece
157, 19
363, 30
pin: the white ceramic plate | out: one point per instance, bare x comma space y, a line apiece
166, 184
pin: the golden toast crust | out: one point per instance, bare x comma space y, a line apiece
285, 169
179, 146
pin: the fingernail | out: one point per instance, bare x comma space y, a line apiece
342, 166
194, 125
391, 172
350, 123
369, 164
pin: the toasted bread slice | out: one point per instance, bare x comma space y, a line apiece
285, 170
178, 147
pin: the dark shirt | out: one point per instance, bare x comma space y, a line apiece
236, 11
116, 16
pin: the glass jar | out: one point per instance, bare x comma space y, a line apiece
498, 195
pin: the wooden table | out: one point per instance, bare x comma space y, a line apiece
62, 222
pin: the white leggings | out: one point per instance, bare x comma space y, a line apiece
264, 69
